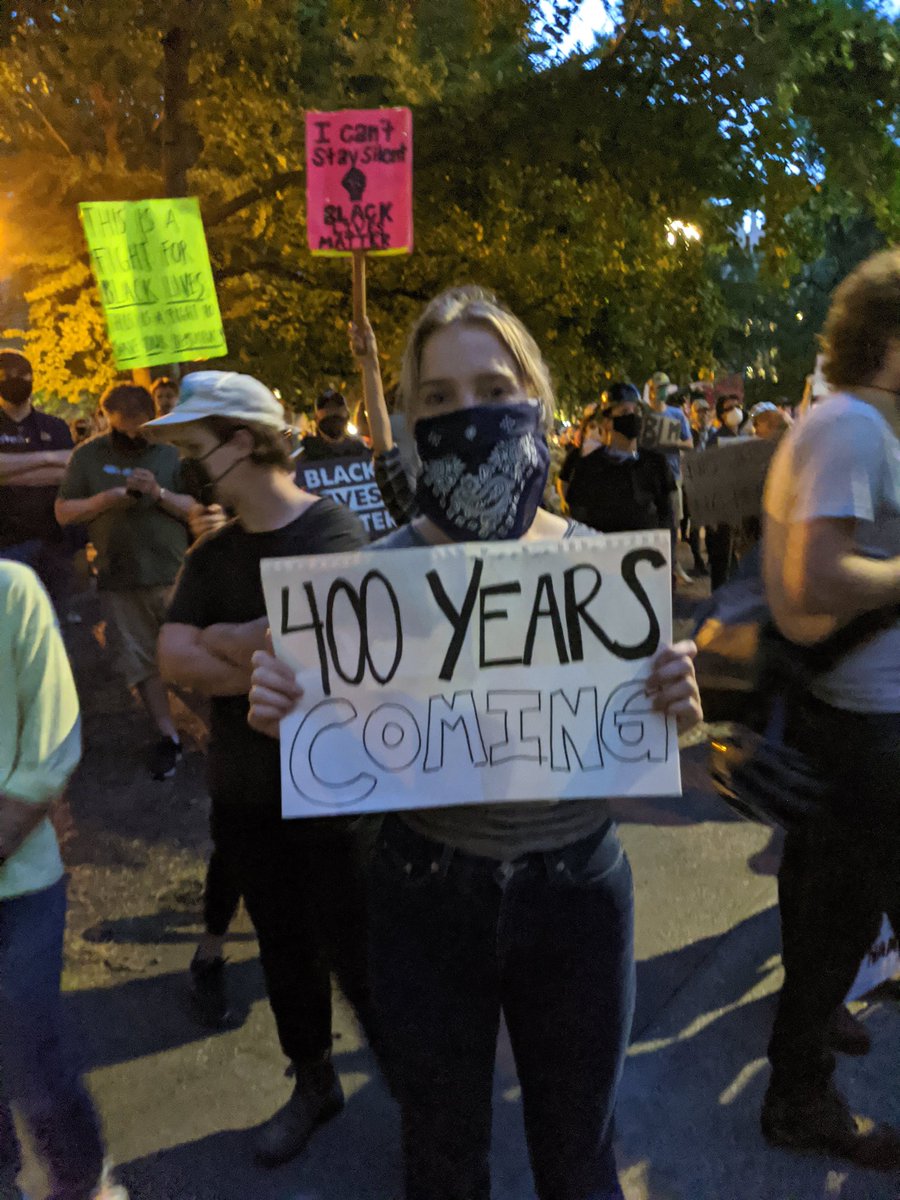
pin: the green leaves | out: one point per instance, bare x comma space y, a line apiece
550, 179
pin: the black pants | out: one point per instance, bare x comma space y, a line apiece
303, 884
545, 939
221, 896
837, 877
720, 552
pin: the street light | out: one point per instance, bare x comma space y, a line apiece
685, 230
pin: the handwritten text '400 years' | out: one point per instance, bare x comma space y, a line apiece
568, 730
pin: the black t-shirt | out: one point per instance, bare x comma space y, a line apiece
221, 582
568, 464
27, 512
614, 495
316, 448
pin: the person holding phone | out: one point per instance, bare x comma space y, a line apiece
129, 494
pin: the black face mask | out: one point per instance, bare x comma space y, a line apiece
332, 427
483, 470
15, 389
196, 479
124, 444
628, 425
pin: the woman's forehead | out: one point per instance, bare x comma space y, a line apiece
465, 348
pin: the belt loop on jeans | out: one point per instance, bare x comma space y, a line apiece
504, 872
439, 865
448, 853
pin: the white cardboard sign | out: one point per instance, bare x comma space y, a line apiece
476, 672
880, 964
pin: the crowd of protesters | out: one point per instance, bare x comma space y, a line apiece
438, 921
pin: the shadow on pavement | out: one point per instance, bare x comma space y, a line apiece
169, 926
688, 1117
147, 1016
661, 978
355, 1156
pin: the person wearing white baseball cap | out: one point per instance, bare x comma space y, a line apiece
302, 881
221, 394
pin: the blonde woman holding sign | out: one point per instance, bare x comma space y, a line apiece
513, 908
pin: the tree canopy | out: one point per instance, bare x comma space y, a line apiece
549, 178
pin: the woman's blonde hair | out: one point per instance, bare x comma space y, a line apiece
476, 306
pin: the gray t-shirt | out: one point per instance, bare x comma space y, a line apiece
503, 831
843, 461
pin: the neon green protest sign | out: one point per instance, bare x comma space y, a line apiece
152, 267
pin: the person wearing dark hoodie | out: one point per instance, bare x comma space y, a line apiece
720, 538
614, 485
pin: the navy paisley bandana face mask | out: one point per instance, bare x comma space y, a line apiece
483, 470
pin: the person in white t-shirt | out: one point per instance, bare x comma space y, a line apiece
832, 554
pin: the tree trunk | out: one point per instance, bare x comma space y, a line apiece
179, 138
178, 153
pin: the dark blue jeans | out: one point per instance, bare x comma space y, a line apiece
37, 1070
548, 940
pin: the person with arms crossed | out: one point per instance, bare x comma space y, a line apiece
302, 881
34, 451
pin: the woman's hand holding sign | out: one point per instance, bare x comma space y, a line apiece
673, 685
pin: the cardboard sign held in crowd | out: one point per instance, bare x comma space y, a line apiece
152, 267
349, 481
359, 181
724, 484
658, 431
474, 672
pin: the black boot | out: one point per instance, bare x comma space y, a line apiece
317, 1098
210, 994
818, 1120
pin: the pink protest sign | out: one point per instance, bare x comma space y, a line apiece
359, 181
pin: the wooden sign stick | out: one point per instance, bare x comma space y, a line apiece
359, 288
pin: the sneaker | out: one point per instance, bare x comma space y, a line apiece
209, 993
681, 574
317, 1097
700, 570
848, 1035
819, 1120
164, 758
